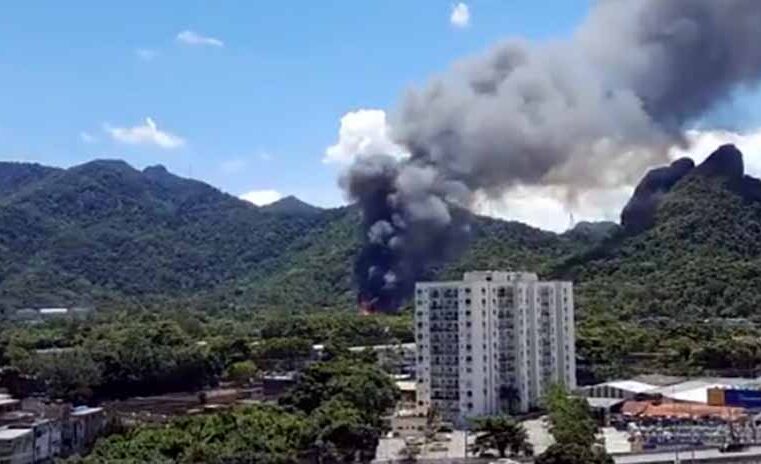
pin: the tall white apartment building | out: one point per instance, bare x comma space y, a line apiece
492, 343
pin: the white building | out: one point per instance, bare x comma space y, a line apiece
16, 446
492, 343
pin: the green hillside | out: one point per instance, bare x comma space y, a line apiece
104, 231
700, 259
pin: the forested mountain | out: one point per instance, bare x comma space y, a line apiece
690, 244
697, 256
106, 231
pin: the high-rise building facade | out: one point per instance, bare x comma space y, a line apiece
492, 343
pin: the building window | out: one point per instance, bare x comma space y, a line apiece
469, 393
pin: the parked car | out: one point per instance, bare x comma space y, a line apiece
732, 447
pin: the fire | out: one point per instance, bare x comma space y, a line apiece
366, 307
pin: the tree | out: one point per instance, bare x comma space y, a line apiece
341, 435
242, 372
570, 453
574, 430
70, 375
501, 433
571, 421
361, 385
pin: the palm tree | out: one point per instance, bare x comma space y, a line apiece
432, 422
501, 433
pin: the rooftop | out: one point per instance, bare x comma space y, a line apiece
403, 346
85, 410
681, 410
406, 385
12, 434
499, 276
632, 386
695, 390
604, 403
53, 310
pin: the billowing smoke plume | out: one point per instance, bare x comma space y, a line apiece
590, 111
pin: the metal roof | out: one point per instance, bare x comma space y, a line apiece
406, 385
604, 402
84, 410
631, 386
53, 310
12, 434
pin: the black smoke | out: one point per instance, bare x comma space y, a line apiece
594, 110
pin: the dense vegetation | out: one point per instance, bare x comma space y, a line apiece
332, 415
677, 295
123, 354
104, 232
574, 431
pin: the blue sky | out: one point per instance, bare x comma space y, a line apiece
249, 96
256, 112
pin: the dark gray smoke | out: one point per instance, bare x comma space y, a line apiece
593, 110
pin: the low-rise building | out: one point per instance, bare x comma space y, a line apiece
408, 391
408, 423
83, 427
396, 359
617, 389
8, 404
47, 435
16, 446
34, 315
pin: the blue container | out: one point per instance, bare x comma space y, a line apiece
749, 399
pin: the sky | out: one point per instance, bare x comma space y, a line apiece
265, 99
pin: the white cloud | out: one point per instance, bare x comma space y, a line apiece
193, 38
366, 132
147, 134
262, 197
87, 137
265, 156
460, 16
546, 208
146, 54
703, 143
362, 133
